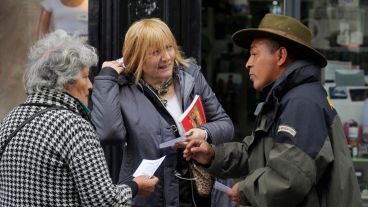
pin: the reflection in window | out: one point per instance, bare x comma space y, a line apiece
338, 92
358, 94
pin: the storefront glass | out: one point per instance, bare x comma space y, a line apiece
223, 62
340, 31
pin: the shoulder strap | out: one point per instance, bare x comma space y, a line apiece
37, 104
27, 121
182, 164
161, 108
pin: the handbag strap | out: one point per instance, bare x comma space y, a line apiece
50, 107
182, 168
161, 108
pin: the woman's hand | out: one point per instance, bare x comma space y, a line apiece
118, 67
145, 185
192, 134
195, 133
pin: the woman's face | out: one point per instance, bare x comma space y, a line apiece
82, 87
158, 64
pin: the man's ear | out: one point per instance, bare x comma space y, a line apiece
282, 56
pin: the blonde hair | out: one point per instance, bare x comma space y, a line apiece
143, 35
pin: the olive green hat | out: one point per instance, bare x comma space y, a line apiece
284, 28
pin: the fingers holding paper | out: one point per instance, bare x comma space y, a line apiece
145, 185
192, 134
233, 193
199, 150
234, 196
119, 68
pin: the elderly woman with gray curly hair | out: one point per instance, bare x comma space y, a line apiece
50, 154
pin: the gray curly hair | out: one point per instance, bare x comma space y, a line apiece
56, 60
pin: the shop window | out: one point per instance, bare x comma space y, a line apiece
223, 62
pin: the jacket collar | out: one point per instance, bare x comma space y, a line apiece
128, 79
58, 98
297, 73
184, 82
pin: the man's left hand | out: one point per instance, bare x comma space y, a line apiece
233, 193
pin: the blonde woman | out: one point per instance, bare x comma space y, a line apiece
132, 99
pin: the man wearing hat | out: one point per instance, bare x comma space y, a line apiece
297, 154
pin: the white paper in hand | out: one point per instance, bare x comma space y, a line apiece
171, 143
221, 187
148, 167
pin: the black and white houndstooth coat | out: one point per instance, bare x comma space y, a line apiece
56, 159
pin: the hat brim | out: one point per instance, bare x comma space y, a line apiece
243, 38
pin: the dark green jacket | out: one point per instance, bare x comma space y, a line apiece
297, 155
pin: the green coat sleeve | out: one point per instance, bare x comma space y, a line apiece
231, 160
285, 181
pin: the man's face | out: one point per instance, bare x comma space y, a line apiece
263, 63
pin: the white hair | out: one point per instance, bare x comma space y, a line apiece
56, 60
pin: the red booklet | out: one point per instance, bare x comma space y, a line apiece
193, 116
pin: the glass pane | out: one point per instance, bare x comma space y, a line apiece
339, 29
358, 94
223, 62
